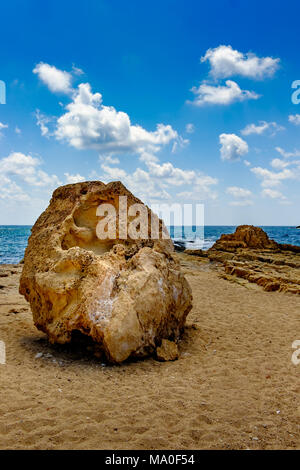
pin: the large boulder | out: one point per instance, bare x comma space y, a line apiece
127, 294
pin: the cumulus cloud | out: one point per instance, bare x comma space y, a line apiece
279, 164
233, 147
170, 174
283, 153
237, 192
242, 196
226, 62
70, 179
271, 178
294, 119
154, 182
26, 169
88, 124
11, 191
221, 94
273, 194
261, 128
58, 81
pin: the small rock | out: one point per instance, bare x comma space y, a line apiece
168, 351
38, 355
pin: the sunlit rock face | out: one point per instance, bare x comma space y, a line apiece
249, 254
245, 236
127, 294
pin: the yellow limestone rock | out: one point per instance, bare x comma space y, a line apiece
126, 294
168, 351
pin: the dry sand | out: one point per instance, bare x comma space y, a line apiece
234, 386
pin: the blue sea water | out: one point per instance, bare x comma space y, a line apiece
13, 238
13, 241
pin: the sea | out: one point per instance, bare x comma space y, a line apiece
13, 238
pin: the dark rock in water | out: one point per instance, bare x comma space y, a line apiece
179, 245
292, 248
298, 226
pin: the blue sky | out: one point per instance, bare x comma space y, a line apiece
181, 101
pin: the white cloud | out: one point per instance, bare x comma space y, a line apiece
241, 195
221, 94
88, 124
58, 81
42, 121
232, 147
283, 153
2, 126
273, 194
247, 163
279, 164
70, 179
110, 160
154, 182
242, 202
190, 128
226, 62
261, 128
26, 169
77, 70
170, 174
294, 119
9, 190
237, 192
18, 130
270, 178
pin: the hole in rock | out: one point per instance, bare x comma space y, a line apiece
82, 232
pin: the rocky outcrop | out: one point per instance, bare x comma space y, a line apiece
126, 294
250, 255
245, 236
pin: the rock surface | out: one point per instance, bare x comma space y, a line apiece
249, 254
168, 351
196, 252
126, 294
245, 236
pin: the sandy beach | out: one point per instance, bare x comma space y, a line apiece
233, 387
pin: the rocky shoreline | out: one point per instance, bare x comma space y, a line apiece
250, 255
